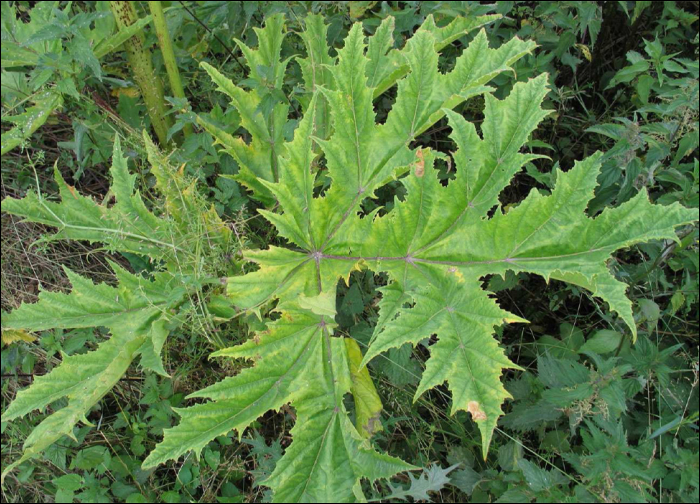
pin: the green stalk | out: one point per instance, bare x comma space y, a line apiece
142, 67
166, 48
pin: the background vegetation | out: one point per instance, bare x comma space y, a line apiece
594, 418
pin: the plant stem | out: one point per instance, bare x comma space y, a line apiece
166, 48
142, 67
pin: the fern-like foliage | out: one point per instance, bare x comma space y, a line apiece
139, 313
435, 245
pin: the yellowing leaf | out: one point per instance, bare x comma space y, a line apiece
131, 92
368, 405
10, 336
585, 51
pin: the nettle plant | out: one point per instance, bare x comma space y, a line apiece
435, 245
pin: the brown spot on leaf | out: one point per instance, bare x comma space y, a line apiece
374, 424
474, 408
420, 164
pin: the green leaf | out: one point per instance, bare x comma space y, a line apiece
133, 311
25, 42
466, 355
297, 362
435, 245
650, 310
466, 479
258, 160
29, 121
264, 62
323, 304
639, 7
138, 312
628, 73
80, 50
315, 70
66, 486
432, 479
386, 68
90, 305
602, 342
127, 225
667, 427
540, 480
114, 42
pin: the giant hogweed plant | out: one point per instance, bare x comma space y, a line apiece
435, 245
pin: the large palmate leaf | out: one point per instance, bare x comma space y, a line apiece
138, 312
360, 157
435, 245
